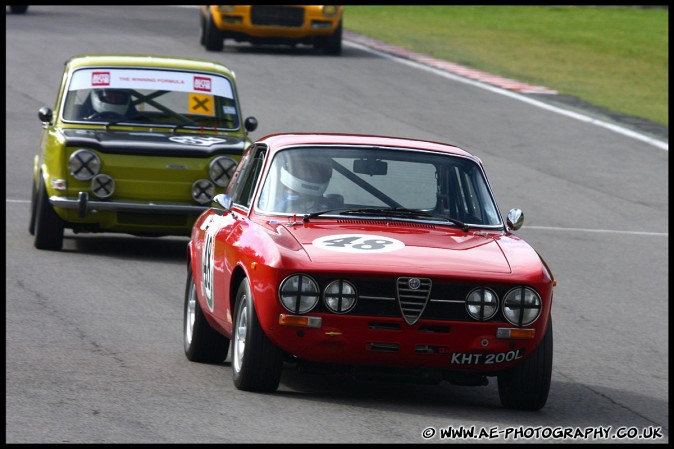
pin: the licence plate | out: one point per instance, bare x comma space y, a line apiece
468, 358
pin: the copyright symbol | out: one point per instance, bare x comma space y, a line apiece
428, 433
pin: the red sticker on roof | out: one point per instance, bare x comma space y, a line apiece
202, 84
100, 79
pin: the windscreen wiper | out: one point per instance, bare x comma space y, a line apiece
307, 217
398, 212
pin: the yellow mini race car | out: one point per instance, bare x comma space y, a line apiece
317, 25
135, 144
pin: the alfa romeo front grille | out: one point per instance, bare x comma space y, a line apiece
382, 298
412, 296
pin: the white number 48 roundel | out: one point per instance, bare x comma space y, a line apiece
358, 243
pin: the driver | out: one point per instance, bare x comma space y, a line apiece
111, 101
305, 179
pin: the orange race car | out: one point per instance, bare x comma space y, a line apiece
317, 25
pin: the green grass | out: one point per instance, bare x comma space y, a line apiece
614, 57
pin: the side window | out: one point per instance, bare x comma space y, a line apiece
471, 206
469, 197
243, 183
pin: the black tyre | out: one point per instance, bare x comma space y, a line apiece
256, 362
18, 9
202, 29
33, 207
212, 37
526, 386
202, 343
333, 44
48, 225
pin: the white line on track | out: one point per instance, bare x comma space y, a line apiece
618, 129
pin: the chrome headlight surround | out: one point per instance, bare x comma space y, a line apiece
203, 191
84, 164
299, 293
221, 170
521, 305
340, 296
482, 303
103, 186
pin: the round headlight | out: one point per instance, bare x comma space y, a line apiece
203, 191
221, 170
330, 10
521, 306
299, 293
482, 303
340, 296
84, 164
103, 186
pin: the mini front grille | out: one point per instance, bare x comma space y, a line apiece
285, 16
413, 294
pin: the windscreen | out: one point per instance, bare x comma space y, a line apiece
151, 97
306, 180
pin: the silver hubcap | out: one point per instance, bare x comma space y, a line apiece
240, 335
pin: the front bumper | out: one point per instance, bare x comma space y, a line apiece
379, 341
84, 206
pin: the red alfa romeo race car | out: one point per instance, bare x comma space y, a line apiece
372, 254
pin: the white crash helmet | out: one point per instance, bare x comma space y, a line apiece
308, 176
110, 100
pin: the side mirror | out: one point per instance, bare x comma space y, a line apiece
222, 201
515, 219
250, 124
45, 115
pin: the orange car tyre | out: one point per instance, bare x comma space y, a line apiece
332, 45
18, 9
202, 343
212, 38
256, 362
202, 29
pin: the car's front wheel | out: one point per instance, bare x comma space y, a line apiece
202, 29
332, 45
526, 385
256, 362
212, 38
33, 207
18, 9
48, 225
202, 343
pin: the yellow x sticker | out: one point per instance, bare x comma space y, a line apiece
201, 104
